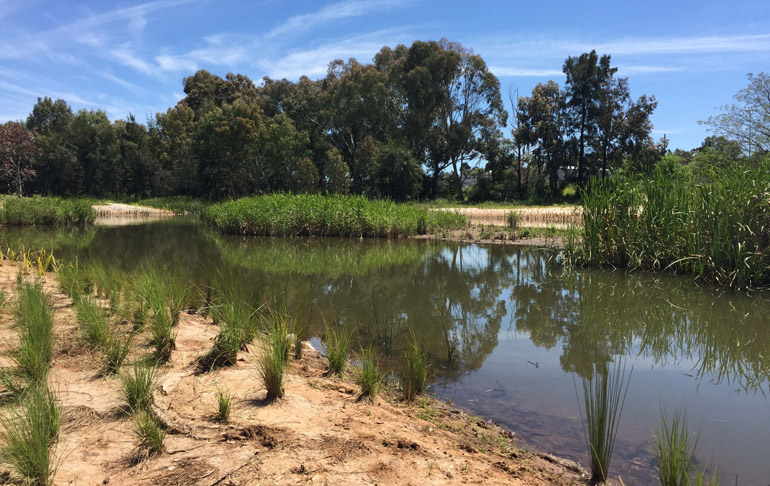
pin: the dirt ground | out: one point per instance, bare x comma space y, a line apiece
319, 433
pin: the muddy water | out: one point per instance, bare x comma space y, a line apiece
510, 334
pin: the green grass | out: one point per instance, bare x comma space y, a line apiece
138, 387
116, 351
46, 211
715, 229
92, 321
604, 394
224, 404
334, 215
164, 301
414, 369
272, 361
177, 204
336, 348
28, 436
150, 432
369, 377
676, 454
34, 322
513, 219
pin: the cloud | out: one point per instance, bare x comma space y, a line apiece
330, 13
642, 69
524, 73
124, 56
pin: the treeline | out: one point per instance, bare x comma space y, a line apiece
411, 124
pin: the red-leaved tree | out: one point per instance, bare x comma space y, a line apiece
17, 147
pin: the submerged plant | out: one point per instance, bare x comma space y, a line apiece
414, 370
604, 394
337, 348
29, 433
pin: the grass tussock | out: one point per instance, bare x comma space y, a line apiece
676, 454
46, 211
29, 434
138, 387
150, 432
273, 360
332, 215
604, 394
369, 377
337, 348
93, 322
715, 229
116, 351
225, 400
34, 324
414, 369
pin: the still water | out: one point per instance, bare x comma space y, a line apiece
510, 335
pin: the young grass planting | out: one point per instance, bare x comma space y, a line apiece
138, 386
224, 404
604, 394
34, 321
151, 433
333, 215
414, 370
369, 377
714, 229
29, 434
46, 211
93, 323
272, 361
337, 348
116, 351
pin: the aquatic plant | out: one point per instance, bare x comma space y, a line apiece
330, 215
414, 369
29, 432
604, 394
676, 454
336, 348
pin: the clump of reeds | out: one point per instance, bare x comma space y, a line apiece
150, 431
273, 360
93, 323
369, 377
29, 433
329, 215
116, 350
225, 400
604, 394
165, 299
138, 386
414, 369
513, 219
46, 211
336, 348
677, 464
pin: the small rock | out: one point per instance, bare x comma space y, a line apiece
106, 480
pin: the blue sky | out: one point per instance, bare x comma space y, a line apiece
131, 56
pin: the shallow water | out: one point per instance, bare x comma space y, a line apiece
508, 332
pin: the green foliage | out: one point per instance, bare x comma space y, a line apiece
604, 394
46, 211
116, 350
177, 204
513, 219
92, 321
272, 361
677, 464
715, 231
224, 404
34, 322
369, 377
336, 348
165, 298
29, 433
138, 387
414, 369
333, 215
150, 431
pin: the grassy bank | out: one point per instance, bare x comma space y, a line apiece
40, 210
312, 215
717, 229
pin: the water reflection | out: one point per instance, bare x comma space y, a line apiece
506, 326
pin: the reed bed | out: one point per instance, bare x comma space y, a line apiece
677, 464
333, 215
716, 229
46, 211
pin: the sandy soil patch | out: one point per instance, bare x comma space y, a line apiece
116, 214
320, 433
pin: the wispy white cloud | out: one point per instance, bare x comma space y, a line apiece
524, 72
330, 13
644, 69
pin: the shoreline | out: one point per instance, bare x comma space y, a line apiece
320, 431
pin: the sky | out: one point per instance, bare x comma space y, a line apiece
131, 57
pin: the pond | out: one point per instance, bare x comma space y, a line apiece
509, 333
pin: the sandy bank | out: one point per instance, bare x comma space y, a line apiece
532, 217
319, 433
116, 214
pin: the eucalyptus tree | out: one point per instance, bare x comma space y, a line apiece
55, 162
17, 147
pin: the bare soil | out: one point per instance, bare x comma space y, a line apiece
321, 432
